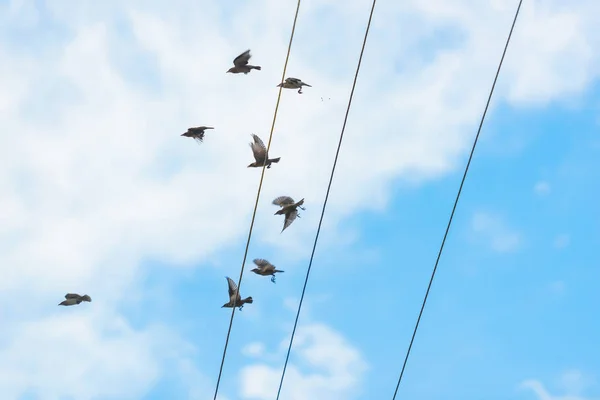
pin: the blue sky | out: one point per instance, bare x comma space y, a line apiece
100, 195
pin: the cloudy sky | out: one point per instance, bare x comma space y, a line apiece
100, 195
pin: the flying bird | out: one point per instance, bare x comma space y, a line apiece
73, 298
289, 208
196, 133
260, 154
234, 297
241, 64
293, 83
265, 268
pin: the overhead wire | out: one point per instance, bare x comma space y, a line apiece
337, 153
258, 196
457, 199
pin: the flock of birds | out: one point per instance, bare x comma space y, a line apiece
288, 206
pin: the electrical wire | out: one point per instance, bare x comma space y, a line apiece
257, 196
337, 153
457, 199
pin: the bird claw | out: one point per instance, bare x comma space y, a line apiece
273, 279
240, 308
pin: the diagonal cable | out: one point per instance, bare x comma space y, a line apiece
457, 199
337, 153
262, 175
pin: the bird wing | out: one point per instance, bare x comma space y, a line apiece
282, 201
289, 218
232, 286
72, 296
294, 81
199, 129
258, 149
261, 262
242, 59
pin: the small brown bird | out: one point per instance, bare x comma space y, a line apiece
293, 83
265, 268
196, 133
260, 154
289, 208
73, 298
234, 297
241, 64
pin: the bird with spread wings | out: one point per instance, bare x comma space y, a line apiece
240, 64
259, 150
235, 300
289, 208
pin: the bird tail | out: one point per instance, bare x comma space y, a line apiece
300, 203
257, 67
275, 160
278, 270
85, 297
306, 84
248, 300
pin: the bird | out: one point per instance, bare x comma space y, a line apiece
293, 83
74, 298
260, 154
196, 133
241, 64
265, 268
289, 208
234, 297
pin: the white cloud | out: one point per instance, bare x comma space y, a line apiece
542, 188
94, 177
84, 355
575, 381
572, 380
328, 367
255, 349
493, 230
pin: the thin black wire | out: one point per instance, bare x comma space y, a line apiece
457, 198
337, 153
262, 175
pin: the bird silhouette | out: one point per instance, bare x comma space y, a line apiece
289, 208
260, 154
265, 268
234, 297
73, 299
293, 83
241, 64
196, 133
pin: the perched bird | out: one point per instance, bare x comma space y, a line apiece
293, 83
289, 208
260, 154
234, 297
196, 133
241, 64
73, 298
265, 268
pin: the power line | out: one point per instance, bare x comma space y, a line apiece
457, 198
337, 153
262, 175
